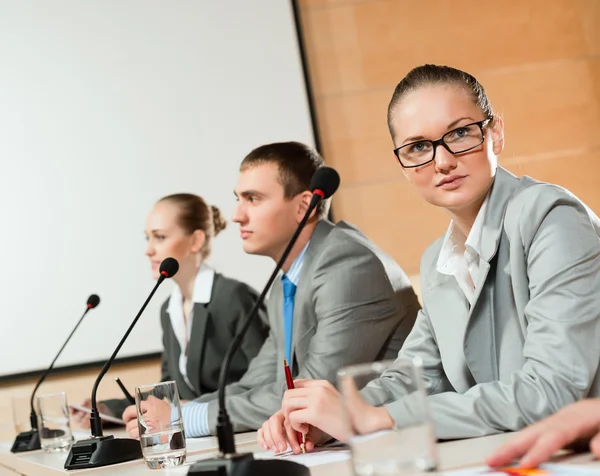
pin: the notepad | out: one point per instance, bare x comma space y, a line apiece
316, 457
103, 416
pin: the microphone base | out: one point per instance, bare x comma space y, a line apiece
103, 451
26, 441
246, 465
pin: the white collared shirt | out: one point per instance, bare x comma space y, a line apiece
459, 255
203, 285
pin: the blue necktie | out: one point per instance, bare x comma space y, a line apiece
289, 290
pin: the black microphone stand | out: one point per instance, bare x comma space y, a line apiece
230, 463
100, 450
30, 440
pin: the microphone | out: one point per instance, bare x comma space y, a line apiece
323, 185
100, 450
30, 440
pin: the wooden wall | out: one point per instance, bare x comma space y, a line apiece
539, 61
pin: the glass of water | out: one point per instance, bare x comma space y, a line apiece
53, 422
21, 413
160, 425
398, 451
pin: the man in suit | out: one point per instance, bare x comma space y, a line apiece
340, 300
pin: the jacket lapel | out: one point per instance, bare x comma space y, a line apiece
275, 315
479, 336
448, 310
304, 291
197, 342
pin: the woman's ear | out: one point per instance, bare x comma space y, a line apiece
198, 239
497, 133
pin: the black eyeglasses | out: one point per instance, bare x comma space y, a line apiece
456, 141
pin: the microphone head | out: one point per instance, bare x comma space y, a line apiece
169, 267
325, 182
93, 301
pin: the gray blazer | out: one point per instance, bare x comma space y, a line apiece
213, 328
353, 304
530, 343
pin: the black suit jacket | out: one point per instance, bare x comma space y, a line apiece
214, 326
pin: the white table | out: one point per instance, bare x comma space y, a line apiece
40, 463
453, 455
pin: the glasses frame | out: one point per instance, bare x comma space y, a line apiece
440, 141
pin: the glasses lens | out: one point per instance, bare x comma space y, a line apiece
416, 153
463, 138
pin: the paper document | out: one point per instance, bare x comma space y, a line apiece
314, 458
555, 469
104, 417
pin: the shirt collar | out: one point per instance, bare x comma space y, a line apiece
474, 239
203, 285
293, 273
455, 244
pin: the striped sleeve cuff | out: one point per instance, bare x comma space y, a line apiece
195, 419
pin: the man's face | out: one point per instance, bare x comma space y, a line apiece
266, 218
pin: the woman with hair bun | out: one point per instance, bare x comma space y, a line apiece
205, 309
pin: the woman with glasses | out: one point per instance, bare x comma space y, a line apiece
510, 324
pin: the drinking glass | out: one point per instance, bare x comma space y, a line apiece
53, 422
398, 451
160, 425
21, 410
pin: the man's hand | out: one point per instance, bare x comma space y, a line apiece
156, 415
538, 442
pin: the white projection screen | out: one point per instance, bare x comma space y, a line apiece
105, 106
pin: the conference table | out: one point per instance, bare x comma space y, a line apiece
460, 454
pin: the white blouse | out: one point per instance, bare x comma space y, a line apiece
459, 255
202, 293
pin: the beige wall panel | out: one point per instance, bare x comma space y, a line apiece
324, 3
327, 33
594, 67
547, 107
395, 217
372, 44
591, 25
579, 172
355, 136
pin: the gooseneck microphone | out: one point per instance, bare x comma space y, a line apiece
102, 450
30, 440
323, 185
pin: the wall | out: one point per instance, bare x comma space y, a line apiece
539, 62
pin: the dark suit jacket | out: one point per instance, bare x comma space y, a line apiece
213, 328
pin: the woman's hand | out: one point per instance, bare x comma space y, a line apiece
82, 419
277, 433
156, 415
316, 404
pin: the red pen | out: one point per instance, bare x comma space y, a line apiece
290, 386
